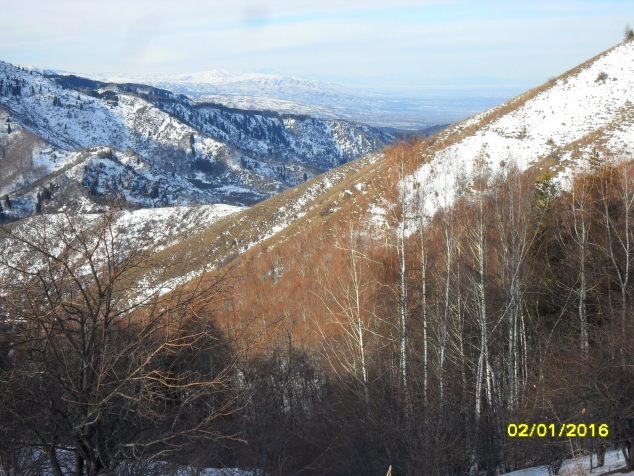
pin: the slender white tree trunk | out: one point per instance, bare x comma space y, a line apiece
478, 246
402, 294
449, 248
359, 325
423, 272
622, 237
482, 317
580, 227
403, 312
424, 177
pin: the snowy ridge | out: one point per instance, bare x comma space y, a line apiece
556, 129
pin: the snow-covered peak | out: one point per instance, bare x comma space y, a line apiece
218, 80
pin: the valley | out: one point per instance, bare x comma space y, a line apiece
206, 288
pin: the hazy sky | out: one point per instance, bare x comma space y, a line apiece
366, 43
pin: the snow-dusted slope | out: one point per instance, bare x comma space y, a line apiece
321, 144
166, 226
130, 232
554, 127
268, 219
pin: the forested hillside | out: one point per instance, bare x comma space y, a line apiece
349, 348
512, 305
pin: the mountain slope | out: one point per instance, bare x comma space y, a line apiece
332, 280
552, 128
371, 345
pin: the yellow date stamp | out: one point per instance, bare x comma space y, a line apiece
558, 430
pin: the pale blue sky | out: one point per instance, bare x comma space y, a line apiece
400, 44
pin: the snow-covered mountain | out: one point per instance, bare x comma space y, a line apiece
295, 253
554, 127
156, 147
284, 245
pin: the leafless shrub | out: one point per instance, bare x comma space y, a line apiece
601, 77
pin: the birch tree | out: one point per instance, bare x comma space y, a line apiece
345, 297
578, 228
450, 177
423, 178
517, 232
616, 187
478, 248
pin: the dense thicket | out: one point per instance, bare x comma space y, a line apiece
410, 345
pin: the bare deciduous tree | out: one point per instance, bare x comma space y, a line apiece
106, 364
345, 298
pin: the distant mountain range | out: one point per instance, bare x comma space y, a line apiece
287, 94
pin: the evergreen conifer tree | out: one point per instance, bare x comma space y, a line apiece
38, 203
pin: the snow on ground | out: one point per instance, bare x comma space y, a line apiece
297, 208
144, 228
580, 466
162, 225
71, 119
227, 155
